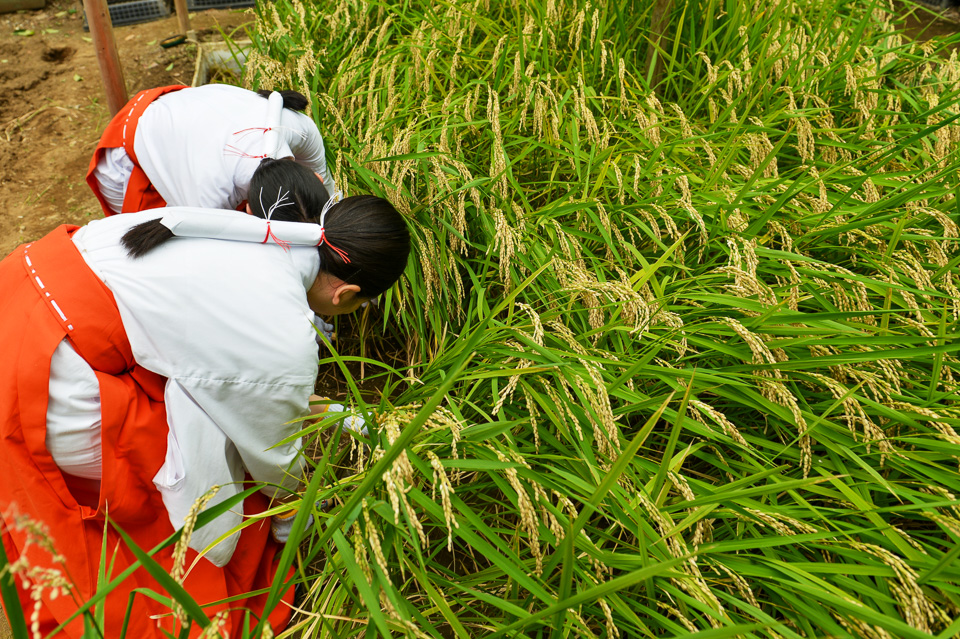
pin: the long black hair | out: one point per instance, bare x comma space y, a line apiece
375, 238
368, 229
306, 191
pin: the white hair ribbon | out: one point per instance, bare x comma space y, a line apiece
336, 197
271, 138
231, 225
281, 201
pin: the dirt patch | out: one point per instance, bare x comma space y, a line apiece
53, 108
925, 22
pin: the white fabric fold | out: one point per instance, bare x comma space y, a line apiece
228, 225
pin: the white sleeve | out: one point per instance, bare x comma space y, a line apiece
112, 173
306, 144
73, 414
219, 430
254, 417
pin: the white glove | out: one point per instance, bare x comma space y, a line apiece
281, 525
372, 302
324, 330
351, 422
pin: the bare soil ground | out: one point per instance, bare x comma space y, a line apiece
53, 108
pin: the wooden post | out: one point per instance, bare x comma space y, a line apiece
111, 73
659, 21
183, 17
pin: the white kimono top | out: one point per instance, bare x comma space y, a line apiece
200, 146
228, 324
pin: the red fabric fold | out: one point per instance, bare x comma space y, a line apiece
140, 194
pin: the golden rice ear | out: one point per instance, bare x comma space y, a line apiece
756, 173
37, 533
180, 550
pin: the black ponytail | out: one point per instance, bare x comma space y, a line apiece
144, 237
293, 100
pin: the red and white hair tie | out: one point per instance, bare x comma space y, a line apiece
336, 197
269, 132
281, 201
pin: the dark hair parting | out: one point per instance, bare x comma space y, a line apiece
293, 100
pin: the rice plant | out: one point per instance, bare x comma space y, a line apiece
678, 337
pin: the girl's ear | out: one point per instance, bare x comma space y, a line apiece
249, 210
344, 294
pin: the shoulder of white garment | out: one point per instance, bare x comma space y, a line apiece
210, 309
202, 137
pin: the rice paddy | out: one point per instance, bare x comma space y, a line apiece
678, 333
677, 350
